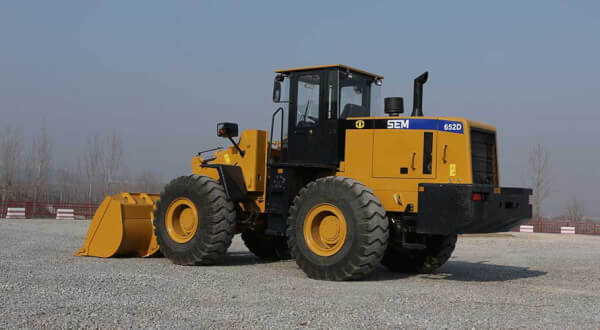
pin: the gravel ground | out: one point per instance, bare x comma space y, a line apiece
500, 281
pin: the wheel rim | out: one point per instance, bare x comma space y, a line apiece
181, 220
325, 229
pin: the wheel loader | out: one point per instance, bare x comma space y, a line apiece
340, 187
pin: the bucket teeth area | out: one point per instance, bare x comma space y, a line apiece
122, 226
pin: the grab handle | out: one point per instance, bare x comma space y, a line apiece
444, 154
280, 109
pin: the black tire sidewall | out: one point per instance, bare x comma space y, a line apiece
337, 192
191, 188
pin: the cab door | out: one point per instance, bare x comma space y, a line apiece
312, 126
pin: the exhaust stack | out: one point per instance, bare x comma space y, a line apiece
418, 95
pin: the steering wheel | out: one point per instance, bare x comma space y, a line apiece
310, 121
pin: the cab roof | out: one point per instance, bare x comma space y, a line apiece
339, 66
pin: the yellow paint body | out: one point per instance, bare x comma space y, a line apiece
122, 226
375, 156
253, 164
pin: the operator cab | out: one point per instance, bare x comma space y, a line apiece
319, 99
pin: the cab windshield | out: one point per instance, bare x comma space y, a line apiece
358, 95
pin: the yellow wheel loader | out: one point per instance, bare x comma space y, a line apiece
340, 189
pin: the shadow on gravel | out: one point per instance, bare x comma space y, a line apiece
383, 274
482, 272
451, 271
463, 271
242, 258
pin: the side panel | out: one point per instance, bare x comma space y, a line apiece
358, 155
454, 164
254, 163
400, 154
391, 160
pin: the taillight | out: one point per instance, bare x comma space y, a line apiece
477, 197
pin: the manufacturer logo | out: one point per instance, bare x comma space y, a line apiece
359, 123
398, 123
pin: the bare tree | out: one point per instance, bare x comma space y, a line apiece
10, 162
148, 182
79, 188
39, 164
538, 175
113, 160
68, 187
575, 209
93, 163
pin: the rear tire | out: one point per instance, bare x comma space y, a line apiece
402, 260
266, 247
324, 212
203, 234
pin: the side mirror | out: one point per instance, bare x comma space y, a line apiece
277, 88
227, 130
276, 92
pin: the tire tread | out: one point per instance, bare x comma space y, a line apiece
221, 222
372, 224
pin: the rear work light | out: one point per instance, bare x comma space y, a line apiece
477, 197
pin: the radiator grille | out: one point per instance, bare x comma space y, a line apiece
483, 153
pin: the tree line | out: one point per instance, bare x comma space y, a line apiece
539, 181
29, 171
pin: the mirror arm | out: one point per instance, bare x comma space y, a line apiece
236, 146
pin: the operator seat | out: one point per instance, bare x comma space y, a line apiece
354, 110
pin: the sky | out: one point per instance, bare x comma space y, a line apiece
163, 73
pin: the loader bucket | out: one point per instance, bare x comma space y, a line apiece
122, 226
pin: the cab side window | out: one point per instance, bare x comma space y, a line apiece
354, 95
309, 86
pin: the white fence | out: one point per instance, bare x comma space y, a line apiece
567, 230
526, 229
15, 213
65, 214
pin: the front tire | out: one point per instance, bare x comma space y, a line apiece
337, 229
194, 221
